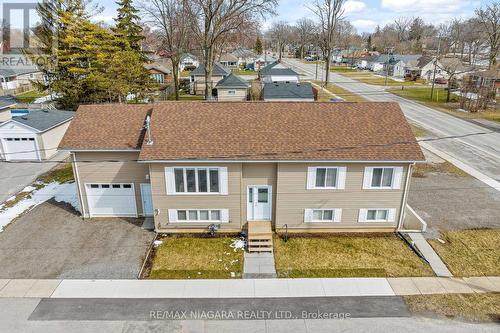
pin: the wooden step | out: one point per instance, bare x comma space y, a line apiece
260, 236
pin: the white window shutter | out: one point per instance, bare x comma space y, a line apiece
172, 215
398, 175
338, 215
392, 215
341, 176
223, 180
170, 180
311, 177
367, 177
362, 215
224, 215
308, 215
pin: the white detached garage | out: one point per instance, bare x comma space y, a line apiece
34, 136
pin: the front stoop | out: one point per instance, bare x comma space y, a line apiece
260, 237
259, 266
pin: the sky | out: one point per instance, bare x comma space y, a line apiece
365, 15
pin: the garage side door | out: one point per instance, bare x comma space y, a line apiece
20, 148
111, 199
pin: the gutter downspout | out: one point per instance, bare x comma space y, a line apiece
405, 197
77, 179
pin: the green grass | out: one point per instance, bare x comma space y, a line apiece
369, 78
347, 256
29, 96
196, 258
186, 97
424, 94
470, 252
472, 307
343, 69
340, 92
61, 174
185, 73
243, 72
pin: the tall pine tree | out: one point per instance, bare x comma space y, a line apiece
258, 46
127, 24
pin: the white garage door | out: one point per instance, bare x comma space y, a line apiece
111, 199
20, 148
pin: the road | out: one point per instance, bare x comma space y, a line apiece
17, 315
480, 151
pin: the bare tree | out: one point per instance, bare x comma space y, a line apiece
452, 67
489, 20
280, 33
212, 20
472, 38
171, 19
328, 13
304, 30
402, 26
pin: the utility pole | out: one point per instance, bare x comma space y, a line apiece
317, 59
435, 65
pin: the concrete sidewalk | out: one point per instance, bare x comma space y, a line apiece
245, 288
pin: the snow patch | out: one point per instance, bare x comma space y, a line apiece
157, 243
60, 192
238, 244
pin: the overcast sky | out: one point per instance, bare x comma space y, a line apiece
363, 14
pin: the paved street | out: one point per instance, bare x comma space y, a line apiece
15, 176
481, 152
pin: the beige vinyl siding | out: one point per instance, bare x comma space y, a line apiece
293, 198
199, 84
5, 115
239, 95
102, 170
164, 202
49, 140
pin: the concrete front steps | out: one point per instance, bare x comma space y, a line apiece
260, 237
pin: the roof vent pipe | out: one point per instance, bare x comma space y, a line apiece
148, 130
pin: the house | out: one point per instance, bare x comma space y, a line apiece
456, 67
197, 78
379, 63
245, 56
16, 77
277, 72
188, 62
232, 88
229, 61
6, 102
34, 135
312, 167
288, 91
262, 61
159, 72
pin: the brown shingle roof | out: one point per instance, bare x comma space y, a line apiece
106, 126
280, 131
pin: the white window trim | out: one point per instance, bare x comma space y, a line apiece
397, 175
340, 181
170, 180
173, 216
363, 215
309, 213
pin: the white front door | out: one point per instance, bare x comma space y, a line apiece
259, 202
147, 199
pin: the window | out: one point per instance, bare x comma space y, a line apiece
196, 180
231, 92
326, 177
323, 215
377, 215
382, 177
196, 215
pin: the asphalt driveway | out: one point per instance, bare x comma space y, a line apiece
51, 241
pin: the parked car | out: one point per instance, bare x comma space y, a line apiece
440, 80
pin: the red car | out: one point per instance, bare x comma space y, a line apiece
440, 80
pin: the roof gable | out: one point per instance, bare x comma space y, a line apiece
42, 120
232, 81
218, 70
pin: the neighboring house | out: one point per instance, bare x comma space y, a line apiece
314, 167
197, 78
232, 88
188, 62
455, 66
159, 72
379, 63
35, 135
16, 77
425, 65
228, 60
6, 102
291, 91
263, 61
245, 56
277, 72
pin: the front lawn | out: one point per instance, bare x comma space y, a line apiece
424, 94
183, 96
243, 72
347, 256
470, 252
422, 169
474, 307
180, 257
378, 80
340, 92
29, 96
343, 69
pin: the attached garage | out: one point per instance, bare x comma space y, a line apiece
34, 136
111, 199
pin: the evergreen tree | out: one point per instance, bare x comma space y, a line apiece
258, 46
369, 43
127, 24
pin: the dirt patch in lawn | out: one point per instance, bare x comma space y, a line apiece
196, 258
470, 252
347, 256
423, 169
470, 307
